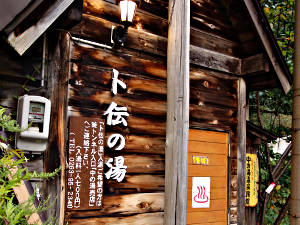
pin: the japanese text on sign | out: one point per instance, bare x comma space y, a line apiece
85, 163
116, 115
252, 171
200, 160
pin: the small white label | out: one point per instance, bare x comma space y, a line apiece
201, 192
270, 188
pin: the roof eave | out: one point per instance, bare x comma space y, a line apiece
266, 35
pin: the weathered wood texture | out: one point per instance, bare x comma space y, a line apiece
13, 72
213, 105
241, 154
215, 146
59, 71
223, 36
177, 127
147, 218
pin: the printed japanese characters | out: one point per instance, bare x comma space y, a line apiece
85, 163
116, 115
252, 179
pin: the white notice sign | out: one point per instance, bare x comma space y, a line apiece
201, 192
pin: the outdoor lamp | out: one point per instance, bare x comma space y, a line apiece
127, 10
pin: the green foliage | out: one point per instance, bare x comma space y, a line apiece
274, 107
281, 191
281, 18
12, 173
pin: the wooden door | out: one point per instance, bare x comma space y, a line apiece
210, 152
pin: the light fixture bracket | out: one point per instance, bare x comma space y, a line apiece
119, 35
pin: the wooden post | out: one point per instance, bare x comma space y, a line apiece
295, 171
177, 112
58, 72
241, 154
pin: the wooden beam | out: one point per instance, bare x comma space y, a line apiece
24, 40
214, 60
255, 64
146, 42
269, 43
23, 194
241, 154
177, 112
54, 156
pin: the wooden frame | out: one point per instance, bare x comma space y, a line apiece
241, 154
228, 165
177, 132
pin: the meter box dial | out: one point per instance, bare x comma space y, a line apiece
34, 116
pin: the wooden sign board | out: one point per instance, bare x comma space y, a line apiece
85, 163
252, 178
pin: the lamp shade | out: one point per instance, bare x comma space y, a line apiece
127, 8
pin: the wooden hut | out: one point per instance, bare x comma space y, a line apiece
212, 53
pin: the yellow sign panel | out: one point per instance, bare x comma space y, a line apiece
252, 178
200, 160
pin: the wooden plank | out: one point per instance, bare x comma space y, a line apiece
137, 183
135, 104
207, 147
159, 25
203, 171
216, 194
143, 104
145, 218
206, 217
269, 43
23, 41
216, 182
255, 64
150, 43
208, 223
125, 205
214, 60
136, 125
177, 112
213, 159
215, 205
23, 195
54, 156
241, 154
143, 163
208, 136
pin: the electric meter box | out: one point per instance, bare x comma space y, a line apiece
34, 116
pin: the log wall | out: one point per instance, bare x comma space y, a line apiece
142, 66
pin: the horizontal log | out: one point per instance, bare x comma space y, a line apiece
255, 64
140, 164
135, 104
145, 218
125, 205
205, 87
144, 105
207, 217
145, 144
216, 182
159, 26
214, 60
95, 77
153, 67
137, 183
143, 163
143, 41
136, 125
